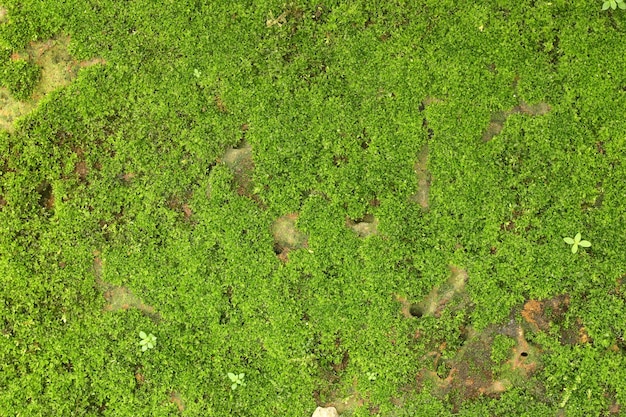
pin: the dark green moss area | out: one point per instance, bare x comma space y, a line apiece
352, 204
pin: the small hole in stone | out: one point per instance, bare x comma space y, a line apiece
416, 310
524, 354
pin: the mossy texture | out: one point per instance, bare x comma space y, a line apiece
353, 203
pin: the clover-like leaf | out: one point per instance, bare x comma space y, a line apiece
236, 379
576, 242
148, 341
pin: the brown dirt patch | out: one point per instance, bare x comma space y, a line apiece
121, 298
139, 379
220, 104
291, 13
496, 124
286, 236
58, 69
615, 409
176, 399
46, 196
471, 372
540, 314
180, 205
81, 168
405, 306
127, 177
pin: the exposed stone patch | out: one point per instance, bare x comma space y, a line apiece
11, 109
434, 303
496, 124
286, 236
239, 160
524, 357
471, 372
366, 226
58, 69
118, 297
325, 412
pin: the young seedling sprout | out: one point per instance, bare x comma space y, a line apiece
236, 380
148, 341
613, 4
576, 242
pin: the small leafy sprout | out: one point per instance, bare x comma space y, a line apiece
236, 380
371, 376
613, 4
147, 341
576, 242
196, 73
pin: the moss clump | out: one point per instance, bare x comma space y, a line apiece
20, 77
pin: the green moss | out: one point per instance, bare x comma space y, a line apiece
501, 349
20, 77
119, 182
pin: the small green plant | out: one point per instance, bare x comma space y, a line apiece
147, 341
236, 380
371, 376
576, 242
614, 4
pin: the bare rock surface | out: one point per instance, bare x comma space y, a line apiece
325, 412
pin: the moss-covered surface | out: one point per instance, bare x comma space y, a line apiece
359, 204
